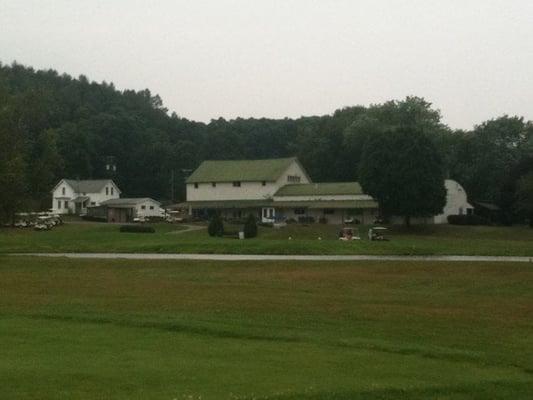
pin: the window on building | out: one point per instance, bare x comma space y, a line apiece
214, 184
237, 184
65, 204
59, 204
143, 207
263, 183
112, 190
196, 185
329, 211
151, 207
299, 211
107, 191
64, 191
293, 178
93, 203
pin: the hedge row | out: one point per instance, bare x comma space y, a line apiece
467, 220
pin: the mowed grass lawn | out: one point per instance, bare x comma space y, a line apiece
117, 329
421, 240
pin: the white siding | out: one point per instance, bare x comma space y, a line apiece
456, 202
226, 191
58, 196
147, 212
71, 194
247, 190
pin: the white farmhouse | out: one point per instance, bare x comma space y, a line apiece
72, 196
280, 189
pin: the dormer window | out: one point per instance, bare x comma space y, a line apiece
213, 184
112, 190
64, 191
263, 183
107, 191
293, 178
196, 185
236, 183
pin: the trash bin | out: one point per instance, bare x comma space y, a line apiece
241, 235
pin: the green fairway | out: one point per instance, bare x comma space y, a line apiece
116, 329
293, 239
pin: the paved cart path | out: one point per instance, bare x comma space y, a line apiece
264, 257
188, 228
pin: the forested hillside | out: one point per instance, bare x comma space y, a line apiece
54, 126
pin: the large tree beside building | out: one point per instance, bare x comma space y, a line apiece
403, 171
524, 196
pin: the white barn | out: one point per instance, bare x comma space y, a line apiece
71, 196
456, 202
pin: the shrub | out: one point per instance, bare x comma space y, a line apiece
137, 229
250, 227
467, 220
216, 226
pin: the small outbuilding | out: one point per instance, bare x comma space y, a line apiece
126, 209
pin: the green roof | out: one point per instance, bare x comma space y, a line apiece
314, 204
226, 204
125, 201
321, 189
240, 170
230, 204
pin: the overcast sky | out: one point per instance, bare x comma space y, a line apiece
473, 59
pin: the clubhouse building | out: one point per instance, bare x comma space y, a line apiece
280, 189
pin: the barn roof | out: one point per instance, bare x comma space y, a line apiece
240, 170
132, 201
321, 189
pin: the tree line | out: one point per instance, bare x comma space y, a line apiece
53, 126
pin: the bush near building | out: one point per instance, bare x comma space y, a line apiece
467, 220
250, 227
216, 226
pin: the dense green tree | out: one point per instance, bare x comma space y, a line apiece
402, 169
13, 167
524, 196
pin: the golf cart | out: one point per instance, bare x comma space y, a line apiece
347, 233
377, 233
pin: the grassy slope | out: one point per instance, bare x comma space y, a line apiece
190, 330
422, 240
